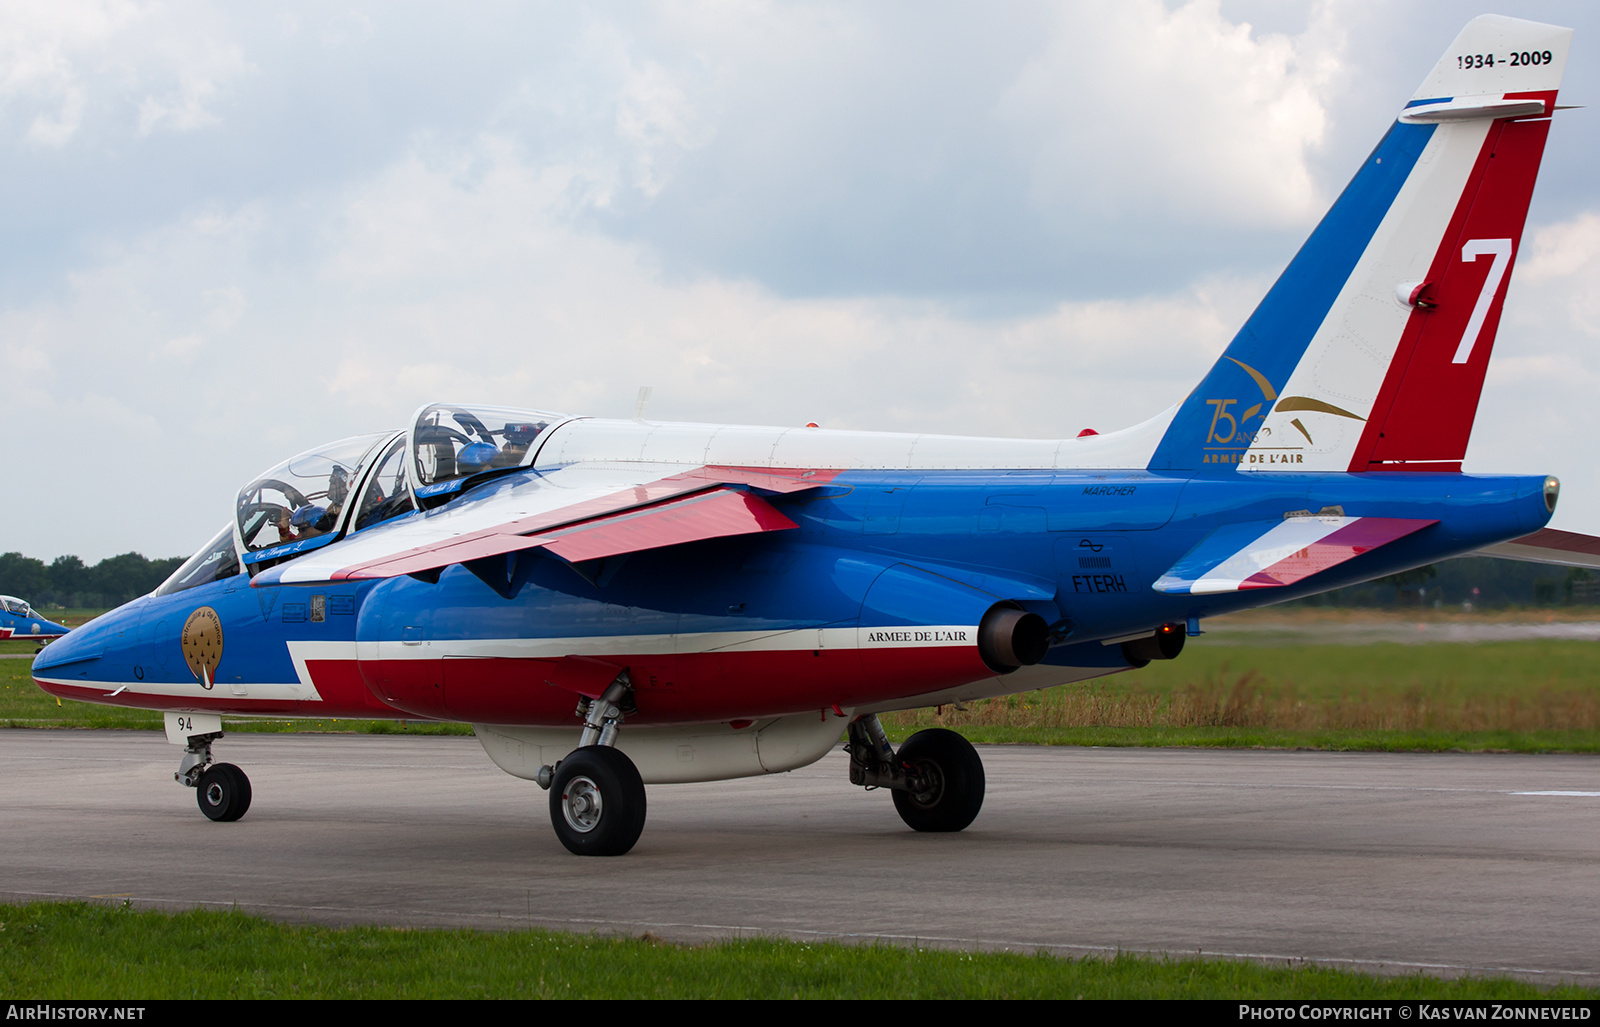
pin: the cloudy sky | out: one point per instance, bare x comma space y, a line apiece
232, 232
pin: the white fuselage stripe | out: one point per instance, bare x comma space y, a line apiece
919, 636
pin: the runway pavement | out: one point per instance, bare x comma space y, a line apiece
1453, 863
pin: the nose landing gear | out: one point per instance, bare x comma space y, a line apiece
221, 789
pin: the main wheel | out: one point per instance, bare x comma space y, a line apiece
952, 778
597, 801
223, 792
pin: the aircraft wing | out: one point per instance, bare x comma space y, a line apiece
582, 512
1551, 546
1271, 554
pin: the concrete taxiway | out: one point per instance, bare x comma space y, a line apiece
1478, 863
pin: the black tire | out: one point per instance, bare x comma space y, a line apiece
597, 802
954, 775
223, 792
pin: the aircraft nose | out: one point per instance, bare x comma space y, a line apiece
73, 647
102, 636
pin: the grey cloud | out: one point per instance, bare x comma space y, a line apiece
768, 212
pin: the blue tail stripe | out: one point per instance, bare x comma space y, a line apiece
1277, 334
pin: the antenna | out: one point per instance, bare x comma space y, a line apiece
642, 402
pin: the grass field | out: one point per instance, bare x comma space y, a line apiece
1258, 680
82, 951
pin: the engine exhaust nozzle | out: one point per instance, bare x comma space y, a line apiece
1166, 643
1009, 637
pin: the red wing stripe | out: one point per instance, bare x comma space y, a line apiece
1347, 543
511, 536
493, 541
477, 544
713, 514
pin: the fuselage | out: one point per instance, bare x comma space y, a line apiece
871, 602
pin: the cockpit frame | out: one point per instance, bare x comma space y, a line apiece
286, 496
299, 523
444, 460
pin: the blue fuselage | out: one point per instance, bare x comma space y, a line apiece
773, 623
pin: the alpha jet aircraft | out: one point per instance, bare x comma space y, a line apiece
18, 620
616, 603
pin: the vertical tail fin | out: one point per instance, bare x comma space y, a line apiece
1370, 350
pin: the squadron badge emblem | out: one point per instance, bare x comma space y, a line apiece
202, 645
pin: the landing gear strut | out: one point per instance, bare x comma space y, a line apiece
937, 776
221, 789
597, 801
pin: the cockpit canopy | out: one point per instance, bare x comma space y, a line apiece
300, 504
451, 443
345, 487
11, 604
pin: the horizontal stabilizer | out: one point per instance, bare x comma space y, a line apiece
1549, 545
1271, 554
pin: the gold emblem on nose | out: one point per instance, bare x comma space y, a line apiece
202, 644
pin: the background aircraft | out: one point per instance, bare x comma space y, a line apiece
612, 603
18, 620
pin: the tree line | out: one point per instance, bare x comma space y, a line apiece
1475, 582
68, 582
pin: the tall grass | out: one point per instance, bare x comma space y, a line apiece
1249, 700
1533, 695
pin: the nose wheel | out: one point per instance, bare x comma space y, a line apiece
221, 789
223, 792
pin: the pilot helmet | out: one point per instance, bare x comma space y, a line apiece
476, 457
306, 516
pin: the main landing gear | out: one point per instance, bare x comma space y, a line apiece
221, 789
937, 776
597, 802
